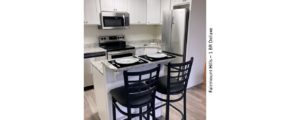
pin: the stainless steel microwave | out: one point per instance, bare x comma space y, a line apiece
114, 20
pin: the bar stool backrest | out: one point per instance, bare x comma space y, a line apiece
140, 84
178, 75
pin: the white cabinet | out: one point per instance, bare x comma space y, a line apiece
88, 76
153, 11
176, 2
138, 11
107, 5
141, 11
91, 12
121, 5
114, 5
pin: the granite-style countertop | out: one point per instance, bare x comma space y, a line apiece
93, 49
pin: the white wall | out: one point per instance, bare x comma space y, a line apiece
135, 32
196, 43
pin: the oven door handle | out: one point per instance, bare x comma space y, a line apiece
122, 52
116, 53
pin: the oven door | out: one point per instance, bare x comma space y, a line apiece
114, 20
120, 54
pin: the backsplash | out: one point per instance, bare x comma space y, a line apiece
134, 33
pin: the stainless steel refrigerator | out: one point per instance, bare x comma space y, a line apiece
174, 32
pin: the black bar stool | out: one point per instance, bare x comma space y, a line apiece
175, 83
138, 92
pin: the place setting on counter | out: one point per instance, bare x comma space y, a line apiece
127, 61
156, 57
138, 60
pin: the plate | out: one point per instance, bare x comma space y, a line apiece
127, 60
157, 55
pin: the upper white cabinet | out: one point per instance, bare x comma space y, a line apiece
141, 11
138, 11
114, 5
176, 2
153, 11
91, 12
121, 5
107, 5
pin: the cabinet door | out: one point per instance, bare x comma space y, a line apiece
153, 12
108, 5
88, 76
176, 2
138, 11
91, 12
121, 5
88, 79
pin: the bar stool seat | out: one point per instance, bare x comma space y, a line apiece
175, 83
120, 95
138, 92
162, 86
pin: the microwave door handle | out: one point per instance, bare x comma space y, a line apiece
124, 21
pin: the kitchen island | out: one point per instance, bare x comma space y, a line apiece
107, 76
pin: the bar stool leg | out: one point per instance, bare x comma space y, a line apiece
129, 113
167, 107
184, 106
114, 109
153, 111
140, 112
147, 115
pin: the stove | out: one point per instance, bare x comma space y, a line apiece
116, 46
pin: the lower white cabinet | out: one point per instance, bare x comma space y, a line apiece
88, 76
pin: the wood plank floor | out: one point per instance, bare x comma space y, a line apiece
196, 105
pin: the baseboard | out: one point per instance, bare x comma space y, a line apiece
88, 87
